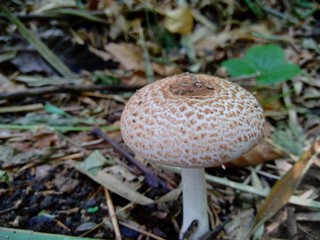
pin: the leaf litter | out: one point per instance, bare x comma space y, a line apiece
58, 177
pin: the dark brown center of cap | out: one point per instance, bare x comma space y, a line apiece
192, 85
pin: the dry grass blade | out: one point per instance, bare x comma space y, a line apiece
42, 49
284, 188
147, 61
25, 108
249, 189
113, 216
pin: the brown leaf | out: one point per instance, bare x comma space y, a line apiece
46, 139
128, 55
285, 187
6, 85
65, 184
263, 152
209, 41
179, 20
166, 70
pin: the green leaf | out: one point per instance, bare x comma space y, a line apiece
50, 108
104, 79
290, 137
49, 119
93, 209
265, 58
93, 163
238, 67
8, 55
3, 176
279, 74
57, 120
267, 62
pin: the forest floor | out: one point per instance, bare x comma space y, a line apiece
67, 69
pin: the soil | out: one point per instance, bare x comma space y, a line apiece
67, 202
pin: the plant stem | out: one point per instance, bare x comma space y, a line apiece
195, 203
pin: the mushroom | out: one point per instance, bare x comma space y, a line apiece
192, 121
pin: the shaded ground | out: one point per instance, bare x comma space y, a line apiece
66, 202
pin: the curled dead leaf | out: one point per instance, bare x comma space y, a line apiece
179, 20
128, 55
263, 152
206, 41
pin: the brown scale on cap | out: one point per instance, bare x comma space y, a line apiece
190, 120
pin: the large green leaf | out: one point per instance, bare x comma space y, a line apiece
279, 74
265, 58
238, 67
266, 62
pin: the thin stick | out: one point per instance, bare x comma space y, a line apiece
147, 61
113, 215
64, 89
57, 128
24, 108
151, 178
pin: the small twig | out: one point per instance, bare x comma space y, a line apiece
204, 20
128, 206
113, 215
24, 108
151, 179
8, 210
147, 61
64, 89
61, 225
109, 128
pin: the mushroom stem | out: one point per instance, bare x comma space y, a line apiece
194, 196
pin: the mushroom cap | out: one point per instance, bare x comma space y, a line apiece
192, 121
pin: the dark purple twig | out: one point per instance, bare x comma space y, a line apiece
151, 179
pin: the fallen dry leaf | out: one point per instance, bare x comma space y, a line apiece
6, 85
179, 20
130, 56
261, 153
209, 41
285, 187
166, 70
65, 184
